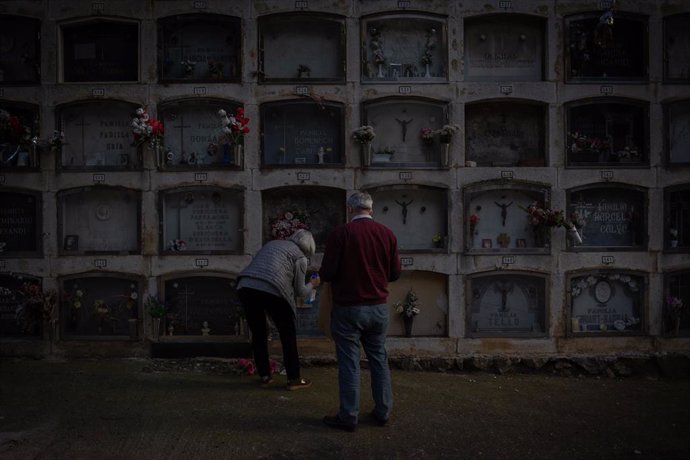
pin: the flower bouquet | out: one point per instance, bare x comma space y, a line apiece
235, 127
147, 130
675, 306
288, 223
409, 307
364, 134
446, 133
427, 135
580, 143
154, 307
542, 218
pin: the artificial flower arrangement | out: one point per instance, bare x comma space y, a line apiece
446, 132
188, 66
56, 140
410, 306
364, 134
428, 46
177, 245
73, 301
37, 306
154, 307
580, 142
288, 223
542, 217
247, 367
427, 135
12, 130
235, 127
675, 305
100, 308
147, 130
474, 220
377, 46
215, 69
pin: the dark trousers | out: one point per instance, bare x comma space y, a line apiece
258, 304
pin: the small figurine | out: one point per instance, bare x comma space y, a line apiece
205, 329
320, 154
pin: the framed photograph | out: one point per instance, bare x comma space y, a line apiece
71, 242
486, 243
521, 243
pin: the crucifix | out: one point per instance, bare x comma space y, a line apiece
82, 125
404, 208
403, 125
504, 288
186, 293
182, 126
504, 210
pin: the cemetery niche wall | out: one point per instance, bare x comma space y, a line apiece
506, 305
677, 48
20, 50
504, 47
18, 128
99, 220
677, 125
496, 218
200, 48
677, 218
203, 305
21, 223
409, 47
505, 133
308, 314
606, 303
611, 132
20, 314
202, 220
676, 303
100, 50
303, 47
194, 136
97, 136
428, 293
288, 209
410, 133
611, 217
418, 216
100, 305
603, 47
296, 133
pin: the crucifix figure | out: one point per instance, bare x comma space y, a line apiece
504, 288
404, 209
504, 210
186, 294
403, 125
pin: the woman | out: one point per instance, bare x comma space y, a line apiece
269, 285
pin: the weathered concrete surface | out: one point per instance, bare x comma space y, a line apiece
202, 408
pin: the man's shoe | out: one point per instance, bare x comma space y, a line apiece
293, 385
335, 422
378, 420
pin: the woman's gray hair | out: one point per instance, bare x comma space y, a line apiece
360, 200
305, 241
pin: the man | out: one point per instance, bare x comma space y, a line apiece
360, 259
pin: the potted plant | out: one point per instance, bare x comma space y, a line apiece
155, 309
408, 309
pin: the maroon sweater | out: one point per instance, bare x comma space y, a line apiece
361, 257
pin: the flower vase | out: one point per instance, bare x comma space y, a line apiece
426, 71
445, 154
676, 327
408, 321
156, 324
366, 154
380, 74
674, 243
237, 154
575, 237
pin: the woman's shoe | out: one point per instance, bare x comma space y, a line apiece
266, 381
298, 384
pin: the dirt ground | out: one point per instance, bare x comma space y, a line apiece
162, 409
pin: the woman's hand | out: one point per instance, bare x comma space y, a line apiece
315, 280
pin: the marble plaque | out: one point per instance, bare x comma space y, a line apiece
98, 135
505, 134
20, 223
105, 220
609, 217
200, 47
677, 48
17, 318
678, 126
99, 305
299, 133
507, 305
302, 48
599, 51
500, 48
195, 300
19, 50
606, 303
202, 219
415, 214
101, 51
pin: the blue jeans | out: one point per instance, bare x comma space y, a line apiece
366, 324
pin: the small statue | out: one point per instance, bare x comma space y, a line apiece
205, 329
320, 155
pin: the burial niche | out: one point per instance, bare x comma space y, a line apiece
99, 220
288, 209
302, 48
603, 46
505, 133
600, 132
506, 305
506, 46
21, 305
100, 305
202, 220
18, 128
678, 132
677, 218
100, 50
606, 302
403, 47
299, 133
677, 48
20, 223
612, 216
20, 50
424, 294
200, 48
98, 136
203, 305
417, 215
676, 303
